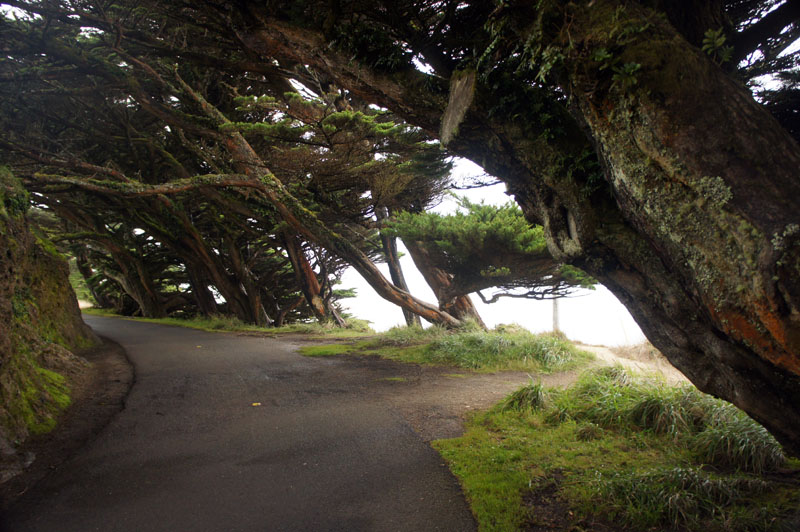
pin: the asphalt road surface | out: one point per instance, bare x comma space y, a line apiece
194, 451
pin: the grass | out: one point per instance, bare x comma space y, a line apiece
326, 350
217, 323
474, 349
619, 448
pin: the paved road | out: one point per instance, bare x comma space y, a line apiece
190, 453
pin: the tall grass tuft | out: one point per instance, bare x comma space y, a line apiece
414, 335
673, 497
531, 397
662, 410
733, 440
717, 432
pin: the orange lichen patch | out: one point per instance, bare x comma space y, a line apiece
770, 344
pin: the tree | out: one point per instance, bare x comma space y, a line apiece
648, 165
306, 193
482, 246
620, 127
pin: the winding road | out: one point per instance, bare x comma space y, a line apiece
225, 432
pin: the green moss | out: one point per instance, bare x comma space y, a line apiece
14, 199
35, 396
46, 244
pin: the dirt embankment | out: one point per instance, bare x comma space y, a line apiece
97, 396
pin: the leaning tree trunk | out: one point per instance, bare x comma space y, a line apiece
251, 291
710, 180
389, 244
440, 281
308, 282
202, 295
136, 283
696, 230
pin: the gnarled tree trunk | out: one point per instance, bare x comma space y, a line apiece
307, 280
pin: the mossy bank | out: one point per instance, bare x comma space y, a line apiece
40, 325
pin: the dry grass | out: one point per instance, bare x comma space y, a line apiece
643, 352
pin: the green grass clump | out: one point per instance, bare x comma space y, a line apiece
474, 349
718, 432
407, 336
620, 448
531, 397
676, 497
494, 350
732, 439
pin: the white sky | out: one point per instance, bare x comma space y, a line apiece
594, 317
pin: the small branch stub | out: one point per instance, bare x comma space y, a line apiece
462, 92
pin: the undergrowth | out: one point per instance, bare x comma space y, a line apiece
625, 450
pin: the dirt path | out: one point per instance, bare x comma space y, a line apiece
638, 360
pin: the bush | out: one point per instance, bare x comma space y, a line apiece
492, 349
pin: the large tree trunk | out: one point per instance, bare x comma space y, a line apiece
461, 307
202, 295
710, 180
136, 283
307, 280
696, 230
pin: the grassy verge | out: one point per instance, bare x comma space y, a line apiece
219, 323
617, 448
504, 348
